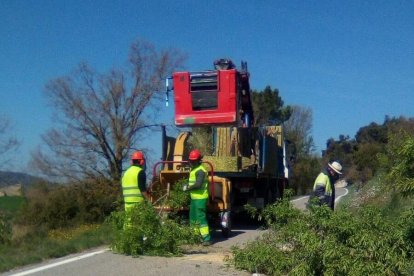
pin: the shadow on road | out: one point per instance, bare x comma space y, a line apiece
240, 226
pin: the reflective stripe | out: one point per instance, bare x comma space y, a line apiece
136, 195
129, 188
323, 180
204, 231
132, 203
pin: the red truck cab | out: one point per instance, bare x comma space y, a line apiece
214, 97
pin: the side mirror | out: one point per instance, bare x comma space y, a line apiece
169, 84
168, 87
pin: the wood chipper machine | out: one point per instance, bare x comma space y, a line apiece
246, 163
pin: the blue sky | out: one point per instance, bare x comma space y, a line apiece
351, 62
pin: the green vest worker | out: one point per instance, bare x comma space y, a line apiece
324, 188
198, 187
133, 182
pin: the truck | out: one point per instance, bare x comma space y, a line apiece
246, 163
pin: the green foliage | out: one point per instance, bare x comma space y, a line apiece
5, 229
322, 242
303, 174
278, 213
341, 150
363, 156
400, 160
144, 232
373, 133
177, 199
63, 206
37, 246
11, 203
268, 107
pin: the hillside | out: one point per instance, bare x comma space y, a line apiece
8, 178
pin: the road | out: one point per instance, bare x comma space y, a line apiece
301, 201
197, 261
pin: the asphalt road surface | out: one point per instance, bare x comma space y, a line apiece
198, 261
301, 201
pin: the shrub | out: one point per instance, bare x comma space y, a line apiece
11, 204
63, 206
401, 160
143, 232
5, 229
322, 242
303, 174
178, 199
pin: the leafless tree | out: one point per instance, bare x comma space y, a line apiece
299, 130
8, 142
100, 117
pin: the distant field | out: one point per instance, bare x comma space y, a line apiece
11, 203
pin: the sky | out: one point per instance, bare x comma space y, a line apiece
350, 62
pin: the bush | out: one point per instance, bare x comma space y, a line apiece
11, 204
323, 242
5, 229
303, 175
63, 206
143, 232
177, 199
400, 153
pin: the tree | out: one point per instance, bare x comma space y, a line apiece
101, 117
298, 130
268, 107
372, 133
360, 155
341, 150
8, 143
304, 165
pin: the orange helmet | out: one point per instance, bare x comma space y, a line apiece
195, 155
138, 155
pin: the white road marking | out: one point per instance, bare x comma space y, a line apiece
41, 268
339, 197
342, 195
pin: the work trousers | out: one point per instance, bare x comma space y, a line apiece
198, 217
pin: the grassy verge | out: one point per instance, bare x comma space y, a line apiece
57, 243
11, 203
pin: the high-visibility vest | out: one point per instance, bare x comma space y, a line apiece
324, 180
201, 193
130, 186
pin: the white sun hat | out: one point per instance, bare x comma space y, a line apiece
336, 167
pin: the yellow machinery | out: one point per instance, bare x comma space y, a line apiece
178, 168
246, 166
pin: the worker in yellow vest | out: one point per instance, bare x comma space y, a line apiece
324, 186
198, 188
134, 180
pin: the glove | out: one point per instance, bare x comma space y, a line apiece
185, 188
